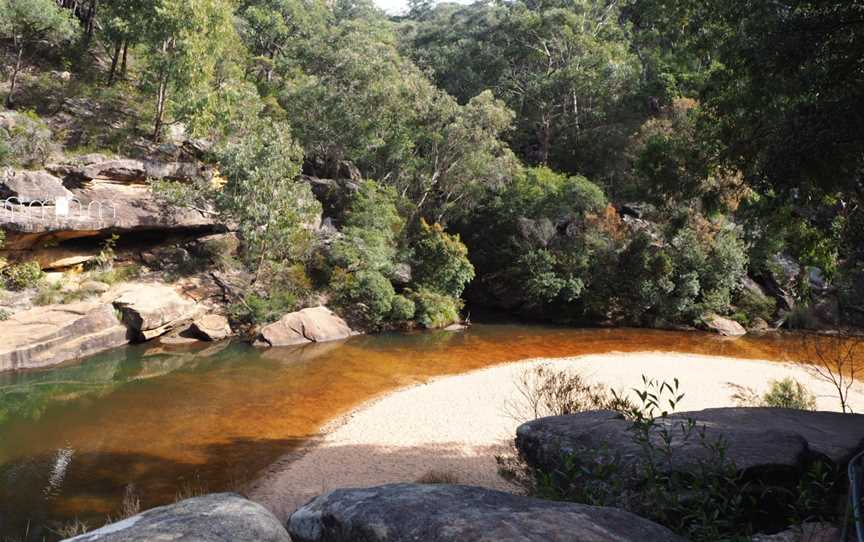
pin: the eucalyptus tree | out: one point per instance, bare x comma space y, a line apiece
193, 54
31, 23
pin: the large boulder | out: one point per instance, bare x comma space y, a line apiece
411, 512
763, 443
724, 326
151, 309
211, 327
53, 334
32, 186
219, 517
314, 324
99, 167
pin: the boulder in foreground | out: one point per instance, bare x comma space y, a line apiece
312, 325
763, 442
410, 512
219, 517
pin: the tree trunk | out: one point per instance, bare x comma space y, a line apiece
123, 62
15, 71
114, 59
545, 140
160, 108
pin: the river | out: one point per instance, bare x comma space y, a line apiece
158, 421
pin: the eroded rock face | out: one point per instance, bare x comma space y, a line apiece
411, 512
764, 443
151, 309
314, 324
219, 517
44, 336
30, 186
724, 326
211, 327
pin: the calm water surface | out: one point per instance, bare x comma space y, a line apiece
156, 420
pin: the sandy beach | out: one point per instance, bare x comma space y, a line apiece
457, 424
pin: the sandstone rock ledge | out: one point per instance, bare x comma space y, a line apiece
444, 513
219, 517
50, 335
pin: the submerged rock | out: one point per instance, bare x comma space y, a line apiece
220, 517
314, 324
412, 512
49, 335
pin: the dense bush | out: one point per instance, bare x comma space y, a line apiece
366, 297
402, 309
370, 232
21, 276
25, 140
435, 310
789, 393
440, 261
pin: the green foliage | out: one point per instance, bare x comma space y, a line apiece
440, 261
52, 293
402, 308
789, 393
366, 296
271, 207
435, 310
371, 230
21, 276
257, 309
754, 305
29, 23
4, 315
25, 140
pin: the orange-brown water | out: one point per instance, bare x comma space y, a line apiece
74, 438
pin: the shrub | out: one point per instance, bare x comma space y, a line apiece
22, 275
25, 140
372, 226
441, 261
52, 293
367, 296
786, 393
789, 393
402, 309
435, 310
543, 391
256, 309
754, 305
4, 315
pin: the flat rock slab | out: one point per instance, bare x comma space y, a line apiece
443, 513
761, 442
315, 324
834, 435
151, 309
44, 336
219, 517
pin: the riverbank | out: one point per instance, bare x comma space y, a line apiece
455, 425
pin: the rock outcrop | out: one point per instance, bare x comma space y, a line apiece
152, 309
219, 517
50, 335
211, 327
763, 443
314, 324
30, 186
410, 512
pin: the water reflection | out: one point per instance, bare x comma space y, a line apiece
166, 418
